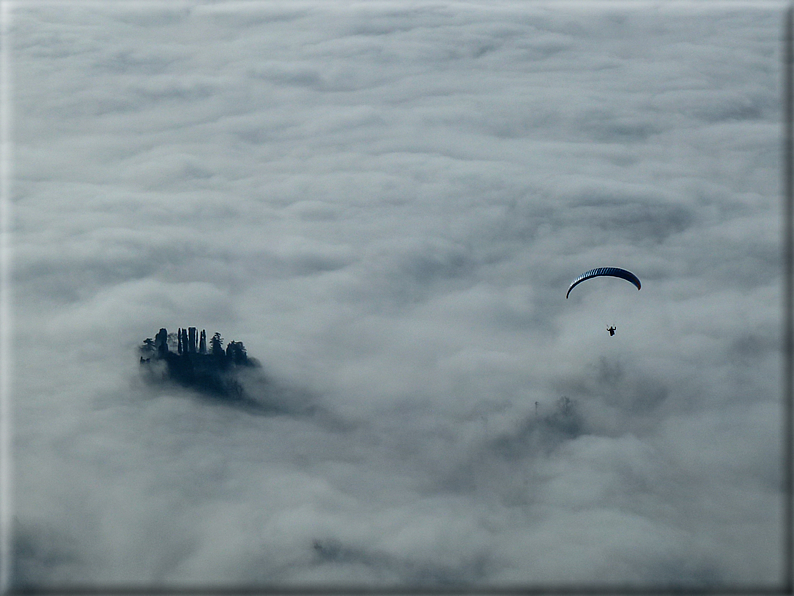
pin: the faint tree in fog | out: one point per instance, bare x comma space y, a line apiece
147, 349
566, 418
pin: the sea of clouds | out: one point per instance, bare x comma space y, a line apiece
386, 202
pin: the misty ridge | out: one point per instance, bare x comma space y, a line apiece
228, 375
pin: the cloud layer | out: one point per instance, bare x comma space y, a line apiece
386, 203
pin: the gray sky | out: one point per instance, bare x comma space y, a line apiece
386, 202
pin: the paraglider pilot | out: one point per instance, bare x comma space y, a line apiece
611, 330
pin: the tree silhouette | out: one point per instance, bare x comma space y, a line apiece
216, 344
235, 351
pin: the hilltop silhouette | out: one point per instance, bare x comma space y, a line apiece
183, 357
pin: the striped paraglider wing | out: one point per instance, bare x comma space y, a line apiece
605, 272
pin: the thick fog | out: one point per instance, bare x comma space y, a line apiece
386, 202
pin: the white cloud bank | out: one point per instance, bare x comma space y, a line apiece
386, 203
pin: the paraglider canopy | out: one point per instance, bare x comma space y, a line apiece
605, 272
